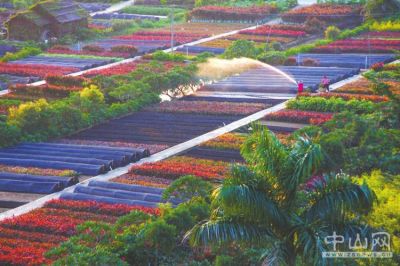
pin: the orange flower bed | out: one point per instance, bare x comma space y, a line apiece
180, 166
231, 141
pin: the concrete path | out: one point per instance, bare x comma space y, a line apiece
114, 8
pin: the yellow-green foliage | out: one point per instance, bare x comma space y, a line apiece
387, 213
385, 26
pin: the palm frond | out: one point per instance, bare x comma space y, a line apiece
310, 245
263, 151
306, 157
222, 230
277, 255
337, 194
251, 204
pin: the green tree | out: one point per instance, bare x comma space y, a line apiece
332, 33
375, 9
270, 202
241, 48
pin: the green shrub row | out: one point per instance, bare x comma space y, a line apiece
320, 104
24, 52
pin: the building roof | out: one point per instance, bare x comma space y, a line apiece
47, 12
33, 17
62, 10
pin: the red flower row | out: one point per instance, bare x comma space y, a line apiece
232, 13
155, 37
98, 208
125, 68
103, 53
360, 45
25, 239
148, 181
180, 166
120, 69
348, 96
23, 255
205, 107
232, 141
268, 30
47, 89
315, 118
35, 70
327, 12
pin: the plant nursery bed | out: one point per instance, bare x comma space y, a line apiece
155, 128
25, 239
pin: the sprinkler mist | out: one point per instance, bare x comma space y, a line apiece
217, 69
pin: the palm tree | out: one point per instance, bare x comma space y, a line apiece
273, 202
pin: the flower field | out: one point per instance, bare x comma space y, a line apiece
295, 116
35, 70
363, 86
37, 171
148, 181
153, 148
278, 30
161, 36
179, 166
348, 96
126, 68
360, 46
47, 90
220, 13
25, 239
260, 38
204, 107
68, 51
229, 141
61, 138
331, 13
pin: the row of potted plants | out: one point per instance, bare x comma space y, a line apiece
348, 96
25, 239
161, 36
360, 45
297, 116
205, 107
36, 171
334, 13
153, 148
35, 70
229, 141
252, 13
46, 90
148, 181
181, 165
274, 31
260, 38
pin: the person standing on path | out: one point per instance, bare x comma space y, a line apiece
325, 83
300, 86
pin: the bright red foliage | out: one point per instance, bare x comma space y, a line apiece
275, 31
25, 239
35, 70
360, 45
179, 166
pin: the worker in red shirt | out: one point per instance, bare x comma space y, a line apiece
300, 87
